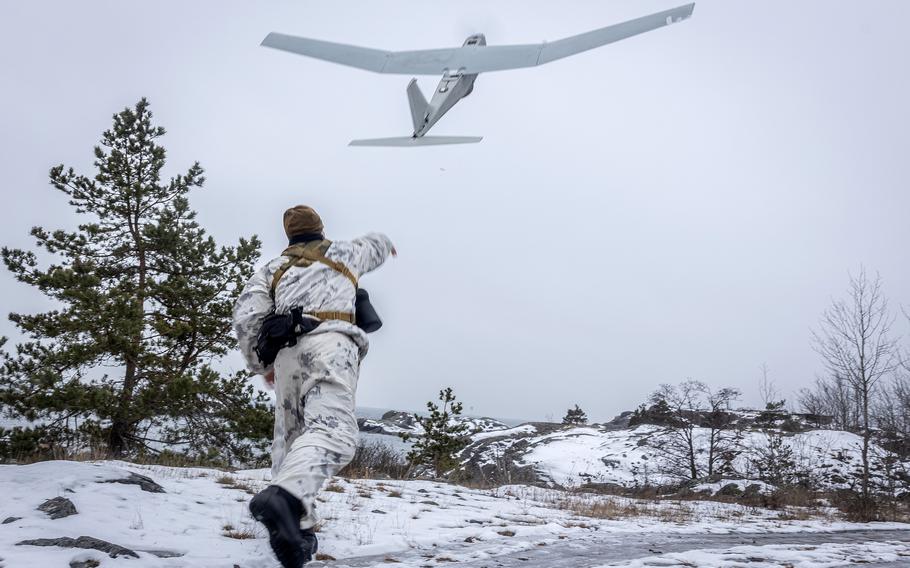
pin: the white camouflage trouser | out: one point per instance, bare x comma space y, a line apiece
315, 425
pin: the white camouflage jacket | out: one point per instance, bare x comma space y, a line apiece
315, 288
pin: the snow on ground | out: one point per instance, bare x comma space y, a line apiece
202, 520
829, 555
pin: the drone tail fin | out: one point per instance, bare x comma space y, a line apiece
410, 141
418, 105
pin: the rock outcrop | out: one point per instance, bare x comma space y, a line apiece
144, 483
58, 508
113, 550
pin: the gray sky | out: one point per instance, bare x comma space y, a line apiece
680, 204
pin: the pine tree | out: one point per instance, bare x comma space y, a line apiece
575, 416
144, 300
443, 437
774, 459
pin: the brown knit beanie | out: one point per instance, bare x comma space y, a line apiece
300, 220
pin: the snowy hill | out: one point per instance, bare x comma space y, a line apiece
615, 453
574, 456
104, 513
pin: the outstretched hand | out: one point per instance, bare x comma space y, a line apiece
270, 378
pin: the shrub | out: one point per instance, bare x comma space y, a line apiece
373, 460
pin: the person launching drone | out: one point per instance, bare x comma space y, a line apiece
301, 322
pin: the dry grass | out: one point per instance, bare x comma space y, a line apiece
679, 511
234, 483
609, 507
797, 514
334, 487
678, 514
603, 508
791, 504
239, 534
165, 458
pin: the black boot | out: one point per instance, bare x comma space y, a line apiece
281, 512
310, 538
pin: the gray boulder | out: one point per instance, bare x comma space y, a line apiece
144, 483
113, 550
58, 507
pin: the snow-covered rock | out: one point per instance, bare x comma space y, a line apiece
604, 454
394, 422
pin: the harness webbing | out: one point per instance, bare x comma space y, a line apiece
304, 255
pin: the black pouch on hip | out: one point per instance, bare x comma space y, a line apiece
279, 331
367, 318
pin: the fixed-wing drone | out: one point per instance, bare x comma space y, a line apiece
460, 66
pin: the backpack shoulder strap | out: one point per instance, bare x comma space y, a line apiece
305, 255
293, 257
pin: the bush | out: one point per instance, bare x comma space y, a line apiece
24, 444
374, 460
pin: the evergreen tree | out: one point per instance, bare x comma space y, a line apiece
443, 436
144, 300
575, 416
774, 459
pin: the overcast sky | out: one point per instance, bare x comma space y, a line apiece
684, 203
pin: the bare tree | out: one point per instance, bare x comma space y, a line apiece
858, 352
892, 411
770, 396
833, 396
688, 412
676, 442
722, 436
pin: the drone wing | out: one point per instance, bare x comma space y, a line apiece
352, 55
472, 59
583, 42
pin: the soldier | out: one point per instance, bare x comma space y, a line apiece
311, 289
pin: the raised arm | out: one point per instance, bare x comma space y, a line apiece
370, 251
253, 305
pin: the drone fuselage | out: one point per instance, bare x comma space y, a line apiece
454, 86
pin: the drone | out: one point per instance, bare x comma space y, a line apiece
460, 66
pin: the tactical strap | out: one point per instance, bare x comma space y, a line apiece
343, 316
306, 254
